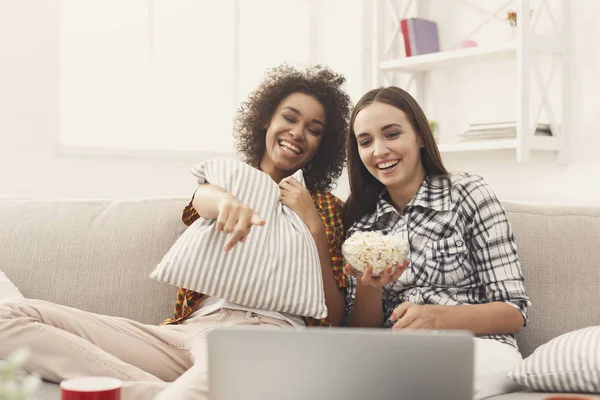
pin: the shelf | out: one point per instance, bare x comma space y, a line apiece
476, 145
452, 58
531, 48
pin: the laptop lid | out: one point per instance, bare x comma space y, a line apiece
339, 363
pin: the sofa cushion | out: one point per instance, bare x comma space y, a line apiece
559, 253
94, 255
276, 268
568, 363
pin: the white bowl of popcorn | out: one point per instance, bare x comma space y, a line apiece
374, 249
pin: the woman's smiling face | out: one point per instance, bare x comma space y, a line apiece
388, 146
293, 135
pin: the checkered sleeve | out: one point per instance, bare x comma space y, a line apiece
330, 210
186, 299
493, 247
349, 297
335, 235
189, 214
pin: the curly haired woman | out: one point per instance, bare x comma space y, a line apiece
295, 119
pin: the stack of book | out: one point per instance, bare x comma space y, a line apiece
543, 130
499, 130
420, 36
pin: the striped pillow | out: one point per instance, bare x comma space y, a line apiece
567, 363
278, 266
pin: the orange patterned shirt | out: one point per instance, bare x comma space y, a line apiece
330, 210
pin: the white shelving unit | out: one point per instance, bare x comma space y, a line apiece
522, 51
450, 59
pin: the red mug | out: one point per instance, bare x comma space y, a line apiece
90, 388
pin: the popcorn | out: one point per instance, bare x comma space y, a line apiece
374, 249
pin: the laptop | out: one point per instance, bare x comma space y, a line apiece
339, 363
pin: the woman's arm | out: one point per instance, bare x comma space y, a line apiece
207, 199
334, 297
482, 319
298, 198
365, 295
367, 310
233, 216
493, 251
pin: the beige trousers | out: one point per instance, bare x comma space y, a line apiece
154, 362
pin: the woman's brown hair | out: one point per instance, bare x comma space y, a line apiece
364, 187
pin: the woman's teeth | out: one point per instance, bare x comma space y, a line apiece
289, 148
387, 165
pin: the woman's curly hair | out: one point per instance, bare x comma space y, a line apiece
256, 112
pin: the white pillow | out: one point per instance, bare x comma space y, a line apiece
278, 266
7, 289
567, 363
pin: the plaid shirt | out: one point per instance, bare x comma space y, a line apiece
462, 249
329, 208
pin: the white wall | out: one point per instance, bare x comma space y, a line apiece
29, 115
542, 180
30, 166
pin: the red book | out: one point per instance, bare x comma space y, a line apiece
404, 27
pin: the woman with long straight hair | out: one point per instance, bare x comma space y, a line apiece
463, 271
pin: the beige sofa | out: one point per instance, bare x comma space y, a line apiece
96, 255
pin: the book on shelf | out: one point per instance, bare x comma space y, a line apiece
420, 36
499, 130
493, 125
543, 130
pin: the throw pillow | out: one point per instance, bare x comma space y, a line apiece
567, 363
7, 289
277, 268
